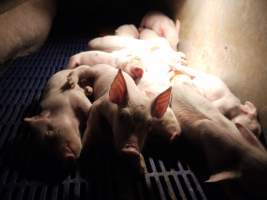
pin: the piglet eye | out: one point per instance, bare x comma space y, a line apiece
49, 129
49, 132
149, 125
124, 115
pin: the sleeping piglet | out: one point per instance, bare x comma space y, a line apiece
163, 26
149, 51
121, 59
130, 114
216, 91
232, 151
63, 110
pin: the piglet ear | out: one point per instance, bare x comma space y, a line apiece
42, 117
118, 89
223, 176
249, 136
161, 103
32, 119
251, 107
248, 108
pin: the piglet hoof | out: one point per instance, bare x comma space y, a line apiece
70, 80
88, 91
142, 168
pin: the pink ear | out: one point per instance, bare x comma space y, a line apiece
161, 103
33, 119
249, 136
248, 108
29, 119
251, 107
243, 109
37, 119
118, 89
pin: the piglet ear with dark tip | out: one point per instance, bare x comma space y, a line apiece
161, 103
118, 89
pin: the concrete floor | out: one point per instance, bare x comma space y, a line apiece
228, 39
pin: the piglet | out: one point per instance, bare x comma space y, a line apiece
163, 26
216, 91
130, 114
121, 59
232, 151
155, 50
248, 117
63, 110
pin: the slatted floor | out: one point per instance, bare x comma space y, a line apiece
105, 178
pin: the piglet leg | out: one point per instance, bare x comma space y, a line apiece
93, 131
92, 58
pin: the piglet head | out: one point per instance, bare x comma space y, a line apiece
57, 134
129, 124
248, 118
135, 119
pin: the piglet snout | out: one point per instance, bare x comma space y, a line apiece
70, 153
131, 150
132, 153
137, 72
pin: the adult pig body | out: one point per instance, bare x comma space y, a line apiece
231, 152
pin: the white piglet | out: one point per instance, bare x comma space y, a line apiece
216, 91
63, 111
163, 26
130, 114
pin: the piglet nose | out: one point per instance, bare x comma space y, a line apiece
70, 157
69, 154
131, 150
137, 72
